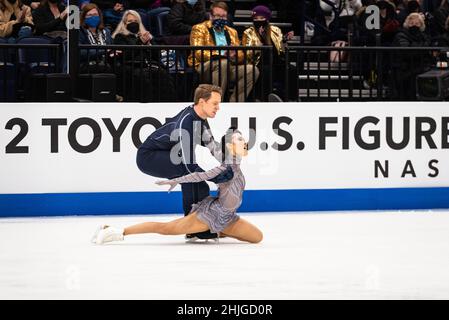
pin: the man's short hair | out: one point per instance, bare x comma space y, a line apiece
204, 91
219, 4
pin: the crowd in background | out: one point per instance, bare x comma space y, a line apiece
403, 23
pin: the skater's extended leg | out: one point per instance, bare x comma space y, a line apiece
187, 224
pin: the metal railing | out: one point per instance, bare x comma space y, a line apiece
171, 73
359, 73
19, 62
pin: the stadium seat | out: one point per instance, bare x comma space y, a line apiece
7, 74
145, 18
7, 81
160, 24
39, 60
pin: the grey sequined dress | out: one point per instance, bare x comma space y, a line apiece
220, 211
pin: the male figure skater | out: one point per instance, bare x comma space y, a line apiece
169, 152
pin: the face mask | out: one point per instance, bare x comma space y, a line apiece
133, 27
258, 24
93, 21
220, 23
192, 2
414, 29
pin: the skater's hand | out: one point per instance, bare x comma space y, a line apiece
223, 177
167, 182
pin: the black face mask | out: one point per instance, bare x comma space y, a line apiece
414, 30
258, 24
133, 27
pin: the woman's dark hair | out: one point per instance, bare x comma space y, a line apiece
227, 138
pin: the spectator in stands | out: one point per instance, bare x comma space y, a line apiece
112, 11
50, 19
131, 31
443, 41
263, 33
410, 6
16, 20
215, 66
93, 32
341, 20
440, 16
184, 15
430, 6
145, 80
389, 25
413, 33
344, 7
410, 64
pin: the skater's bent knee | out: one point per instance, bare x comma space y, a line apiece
258, 237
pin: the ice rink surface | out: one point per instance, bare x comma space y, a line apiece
353, 255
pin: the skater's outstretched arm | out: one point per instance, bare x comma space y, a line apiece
195, 177
210, 143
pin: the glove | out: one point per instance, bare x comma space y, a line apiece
223, 177
167, 182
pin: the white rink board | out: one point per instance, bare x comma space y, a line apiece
68, 171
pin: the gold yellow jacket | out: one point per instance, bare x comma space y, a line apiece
203, 35
251, 39
6, 26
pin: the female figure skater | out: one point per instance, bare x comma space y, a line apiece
215, 213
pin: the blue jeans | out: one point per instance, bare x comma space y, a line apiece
23, 32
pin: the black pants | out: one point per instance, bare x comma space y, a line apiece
278, 83
158, 164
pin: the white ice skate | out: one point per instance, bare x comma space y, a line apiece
94, 237
109, 234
